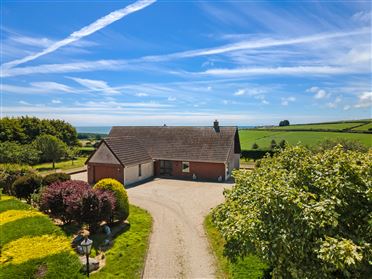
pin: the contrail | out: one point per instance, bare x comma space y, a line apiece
85, 31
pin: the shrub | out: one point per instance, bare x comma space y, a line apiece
75, 200
12, 152
9, 173
255, 146
55, 177
24, 186
273, 144
346, 144
307, 214
122, 204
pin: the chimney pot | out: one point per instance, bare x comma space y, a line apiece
216, 126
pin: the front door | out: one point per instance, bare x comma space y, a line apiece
165, 168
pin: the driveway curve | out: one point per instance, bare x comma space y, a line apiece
178, 244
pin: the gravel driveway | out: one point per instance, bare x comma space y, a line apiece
178, 245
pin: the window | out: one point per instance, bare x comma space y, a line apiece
139, 170
185, 166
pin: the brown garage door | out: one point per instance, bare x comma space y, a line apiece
115, 172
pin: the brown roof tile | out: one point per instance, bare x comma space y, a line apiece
202, 144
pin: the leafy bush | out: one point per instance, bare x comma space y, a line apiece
55, 177
75, 200
255, 146
307, 215
122, 204
256, 154
346, 144
51, 148
24, 186
9, 173
12, 152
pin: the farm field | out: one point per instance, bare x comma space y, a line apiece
364, 127
263, 138
330, 126
63, 165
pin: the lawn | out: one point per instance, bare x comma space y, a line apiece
32, 245
63, 165
263, 138
127, 257
251, 267
330, 126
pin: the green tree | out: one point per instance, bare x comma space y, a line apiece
255, 146
282, 144
12, 152
346, 144
51, 148
273, 144
308, 215
73, 153
284, 123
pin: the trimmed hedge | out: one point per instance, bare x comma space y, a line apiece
55, 177
122, 204
25, 186
9, 173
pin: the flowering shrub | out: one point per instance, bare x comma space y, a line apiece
75, 200
24, 186
121, 197
308, 215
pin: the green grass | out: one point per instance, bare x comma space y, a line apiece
63, 165
127, 257
330, 126
364, 127
263, 138
61, 265
251, 267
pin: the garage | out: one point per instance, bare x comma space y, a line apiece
100, 171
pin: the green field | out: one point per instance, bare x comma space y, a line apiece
63, 165
330, 126
364, 127
263, 138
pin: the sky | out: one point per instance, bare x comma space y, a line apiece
148, 62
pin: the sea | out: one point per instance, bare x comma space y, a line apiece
106, 129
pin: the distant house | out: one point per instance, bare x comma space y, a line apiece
133, 154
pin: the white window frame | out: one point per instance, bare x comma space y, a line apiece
187, 169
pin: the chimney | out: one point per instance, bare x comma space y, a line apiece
216, 126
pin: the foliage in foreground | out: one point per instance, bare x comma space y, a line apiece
127, 257
9, 173
122, 204
249, 267
32, 246
55, 177
307, 215
75, 200
25, 186
347, 144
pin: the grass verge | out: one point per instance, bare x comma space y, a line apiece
126, 258
63, 165
45, 251
251, 267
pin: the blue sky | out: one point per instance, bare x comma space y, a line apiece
96, 63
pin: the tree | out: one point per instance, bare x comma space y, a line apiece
284, 123
255, 146
12, 152
282, 144
273, 144
26, 185
306, 214
51, 149
346, 144
73, 153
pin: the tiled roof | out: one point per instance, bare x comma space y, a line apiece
128, 150
201, 144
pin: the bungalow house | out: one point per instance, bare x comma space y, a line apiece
133, 154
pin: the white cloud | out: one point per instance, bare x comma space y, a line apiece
265, 102
347, 107
318, 93
364, 100
296, 70
335, 103
95, 85
285, 101
85, 31
24, 103
362, 16
56, 102
141, 94
64, 68
38, 87
171, 98
240, 92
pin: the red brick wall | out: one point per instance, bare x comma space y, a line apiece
202, 170
97, 172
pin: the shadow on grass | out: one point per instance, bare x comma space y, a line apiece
62, 265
